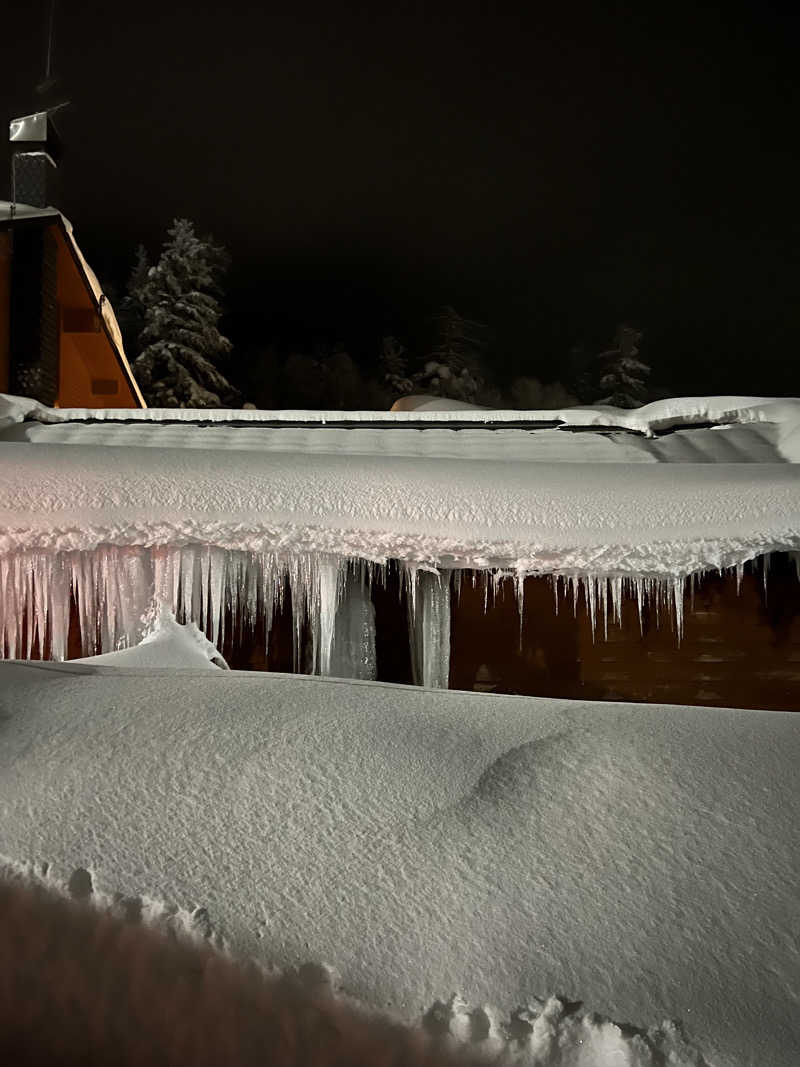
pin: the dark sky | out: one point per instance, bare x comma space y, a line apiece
548, 173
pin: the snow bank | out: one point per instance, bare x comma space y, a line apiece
639, 859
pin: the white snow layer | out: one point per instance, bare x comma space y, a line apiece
440, 850
649, 419
538, 518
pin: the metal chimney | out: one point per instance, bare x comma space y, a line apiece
35, 153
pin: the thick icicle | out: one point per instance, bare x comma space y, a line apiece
430, 628
353, 654
324, 602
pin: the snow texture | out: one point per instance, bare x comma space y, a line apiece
640, 860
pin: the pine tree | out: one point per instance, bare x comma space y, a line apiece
394, 365
181, 342
131, 308
622, 375
453, 368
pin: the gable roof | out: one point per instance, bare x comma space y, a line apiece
21, 214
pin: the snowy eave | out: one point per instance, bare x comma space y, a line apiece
539, 518
531, 501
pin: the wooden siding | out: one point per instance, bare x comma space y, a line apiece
89, 374
738, 649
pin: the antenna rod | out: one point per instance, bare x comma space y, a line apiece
50, 22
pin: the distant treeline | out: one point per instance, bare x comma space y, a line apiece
170, 318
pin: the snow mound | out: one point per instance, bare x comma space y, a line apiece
166, 644
638, 858
433, 403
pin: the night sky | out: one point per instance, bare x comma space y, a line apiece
549, 174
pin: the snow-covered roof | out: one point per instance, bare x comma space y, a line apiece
22, 212
544, 501
658, 417
640, 859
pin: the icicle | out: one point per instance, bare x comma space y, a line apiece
519, 590
11, 607
590, 594
639, 588
677, 600
602, 597
58, 607
353, 654
739, 577
325, 579
430, 629
216, 586
574, 586
765, 560
29, 616
616, 599
498, 578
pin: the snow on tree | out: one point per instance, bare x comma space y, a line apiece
181, 342
132, 306
454, 367
622, 374
394, 363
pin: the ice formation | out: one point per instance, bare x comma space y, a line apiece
116, 591
222, 523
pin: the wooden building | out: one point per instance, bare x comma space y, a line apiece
60, 342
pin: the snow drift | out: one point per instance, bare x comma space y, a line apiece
638, 859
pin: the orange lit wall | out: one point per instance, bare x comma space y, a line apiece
5, 309
89, 374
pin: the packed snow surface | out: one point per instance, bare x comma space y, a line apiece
439, 849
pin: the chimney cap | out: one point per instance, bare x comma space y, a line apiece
29, 128
36, 132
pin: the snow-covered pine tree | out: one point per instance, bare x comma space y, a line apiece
131, 308
622, 374
181, 342
394, 365
454, 367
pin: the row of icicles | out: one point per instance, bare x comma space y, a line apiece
117, 590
